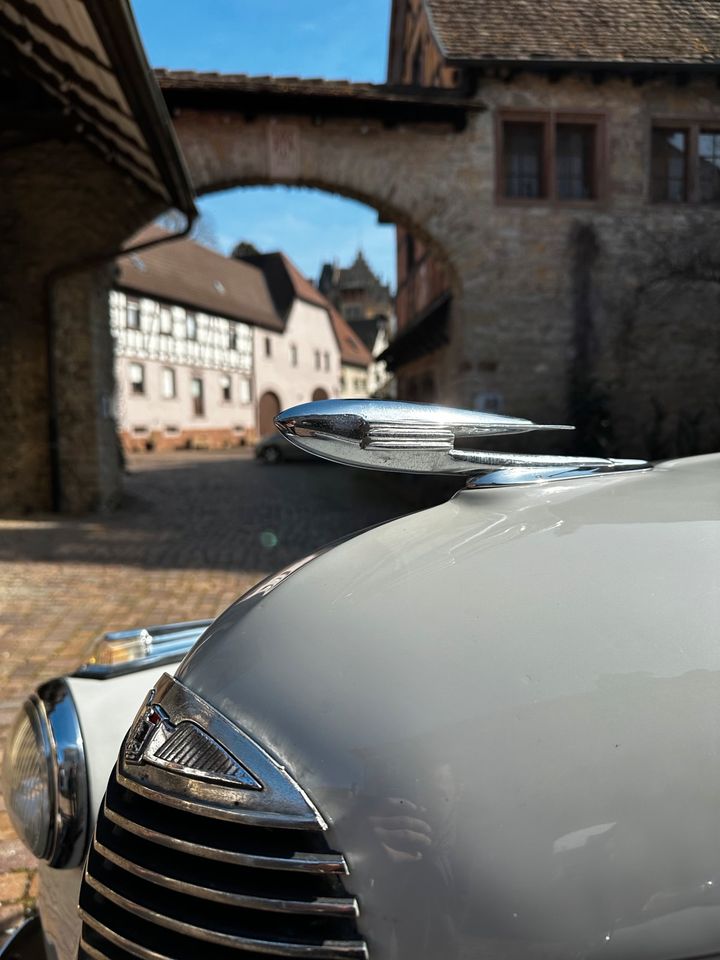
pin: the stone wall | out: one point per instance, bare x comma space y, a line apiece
589, 312
60, 203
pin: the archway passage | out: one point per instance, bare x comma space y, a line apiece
320, 394
269, 409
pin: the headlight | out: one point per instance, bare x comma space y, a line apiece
44, 777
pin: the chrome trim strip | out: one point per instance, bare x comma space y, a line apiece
161, 644
318, 863
330, 950
327, 906
256, 818
419, 438
92, 952
65, 755
552, 474
117, 940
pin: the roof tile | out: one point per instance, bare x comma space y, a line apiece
677, 32
184, 272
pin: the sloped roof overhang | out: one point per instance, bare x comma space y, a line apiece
87, 57
254, 96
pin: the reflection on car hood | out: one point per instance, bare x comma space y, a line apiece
534, 675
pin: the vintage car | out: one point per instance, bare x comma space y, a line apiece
490, 729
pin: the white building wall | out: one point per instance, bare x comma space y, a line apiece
309, 330
161, 342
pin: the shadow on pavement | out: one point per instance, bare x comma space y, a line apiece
222, 511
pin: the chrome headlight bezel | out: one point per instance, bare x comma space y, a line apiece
54, 720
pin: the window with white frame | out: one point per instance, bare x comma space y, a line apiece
166, 320
132, 314
191, 326
137, 378
226, 387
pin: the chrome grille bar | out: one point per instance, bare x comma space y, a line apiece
330, 950
300, 862
326, 905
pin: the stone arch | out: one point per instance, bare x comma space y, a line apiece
320, 393
224, 152
422, 177
268, 408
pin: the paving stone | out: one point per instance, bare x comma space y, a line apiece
13, 887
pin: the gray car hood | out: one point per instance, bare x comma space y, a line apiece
508, 709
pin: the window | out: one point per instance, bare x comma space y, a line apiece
353, 311
166, 321
198, 396
191, 326
244, 391
669, 165
293, 355
549, 157
327, 361
709, 160
268, 347
172, 429
137, 378
132, 314
232, 337
168, 383
685, 163
317, 359
574, 160
226, 387
523, 150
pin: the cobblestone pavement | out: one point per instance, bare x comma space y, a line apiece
195, 531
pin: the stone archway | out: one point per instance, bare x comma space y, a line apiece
411, 156
320, 394
268, 409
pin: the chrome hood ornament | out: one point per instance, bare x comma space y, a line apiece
420, 438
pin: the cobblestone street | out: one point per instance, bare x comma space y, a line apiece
195, 531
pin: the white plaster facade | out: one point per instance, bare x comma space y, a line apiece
180, 373
304, 359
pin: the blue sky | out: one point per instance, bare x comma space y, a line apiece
313, 38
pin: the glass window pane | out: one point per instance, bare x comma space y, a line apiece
575, 161
523, 159
132, 315
166, 323
709, 171
669, 165
137, 378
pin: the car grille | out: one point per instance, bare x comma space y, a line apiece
179, 869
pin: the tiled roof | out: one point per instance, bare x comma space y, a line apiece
303, 288
243, 83
677, 32
352, 350
189, 274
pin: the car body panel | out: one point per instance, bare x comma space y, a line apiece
508, 709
